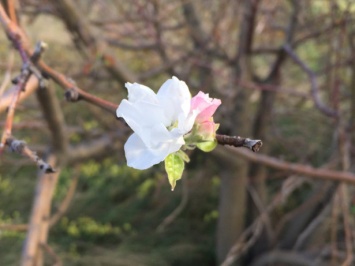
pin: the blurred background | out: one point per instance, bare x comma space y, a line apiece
285, 72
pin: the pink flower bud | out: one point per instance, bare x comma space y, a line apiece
207, 130
205, 106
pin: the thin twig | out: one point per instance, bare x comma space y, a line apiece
20, 147
7, 76
334, 229
12, 10
243, 243
14, 227
66, 201
344, 198
73, 92
50, 251
21, 83
38, 226
172, 216
314, 87
236, 141
314, 225
262, 210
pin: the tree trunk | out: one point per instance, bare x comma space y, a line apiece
232, 206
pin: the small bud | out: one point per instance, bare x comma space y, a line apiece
72, 95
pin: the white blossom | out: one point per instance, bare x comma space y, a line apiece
159, 121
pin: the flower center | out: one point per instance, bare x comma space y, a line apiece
173, 125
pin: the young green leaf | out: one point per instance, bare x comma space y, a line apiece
183, 156
207, 146
174, 166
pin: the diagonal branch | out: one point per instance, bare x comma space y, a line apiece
65, 203
73, 92
313, 80
317, 173
20, 147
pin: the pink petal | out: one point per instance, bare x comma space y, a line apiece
205, 105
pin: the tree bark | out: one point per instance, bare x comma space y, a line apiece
232, 200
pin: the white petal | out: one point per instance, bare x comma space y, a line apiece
140, 157
143, 112
142, 107
138, 92
154, 136
186, 123
175, 98
143, 115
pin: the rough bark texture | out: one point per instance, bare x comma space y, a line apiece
234, 177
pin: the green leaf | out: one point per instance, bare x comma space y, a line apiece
183, 156
174, 167
207, 146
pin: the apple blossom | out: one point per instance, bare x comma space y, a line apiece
166, 122
159, 121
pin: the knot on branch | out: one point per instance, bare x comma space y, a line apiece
72, 95
39, 50
45, 167
15, 145
15, 80
20, 147
42, 83
27, 69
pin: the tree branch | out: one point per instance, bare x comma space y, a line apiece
63, 207
236, 141
21, 147
314, 87
302, 169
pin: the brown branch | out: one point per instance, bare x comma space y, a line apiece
272, 162
296, 221
10, 6
14, 227
22, 43
7, 75
38, 225
50, 251
7, 97
242, 244
344, 198
77, 24
22, 79
236, 141
279, 257
73, 93
334, 229
91, 149
65, 203
20, 147
21, 83
265, 218
313, 80
54, 117
313, 226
